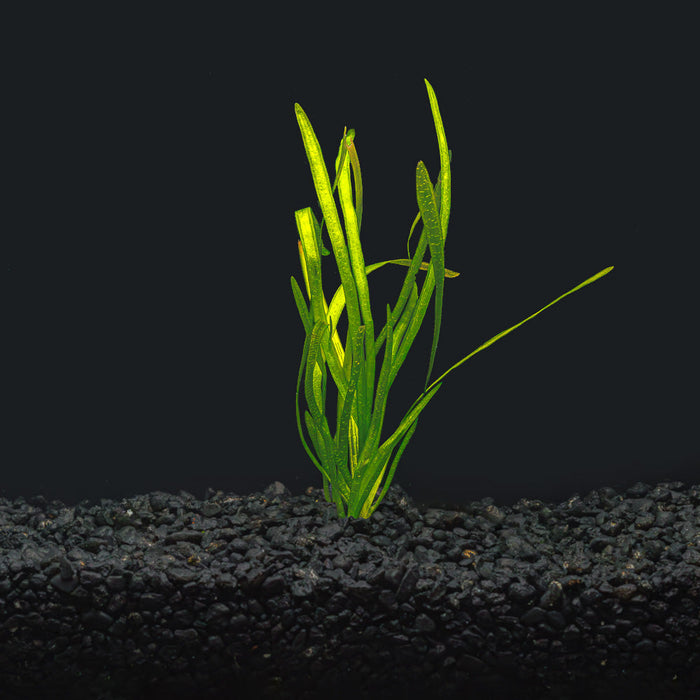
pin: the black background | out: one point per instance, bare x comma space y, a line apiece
156, 166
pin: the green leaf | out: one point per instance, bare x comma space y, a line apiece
498, 336
446, 177
436, 240
330, 213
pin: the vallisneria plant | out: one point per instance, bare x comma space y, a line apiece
352, 461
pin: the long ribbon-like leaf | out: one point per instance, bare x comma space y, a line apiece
330, 213
436, 241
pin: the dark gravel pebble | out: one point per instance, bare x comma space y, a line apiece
272, 596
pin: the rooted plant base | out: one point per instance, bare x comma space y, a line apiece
271, 595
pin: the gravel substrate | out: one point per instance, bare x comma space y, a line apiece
271, 595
